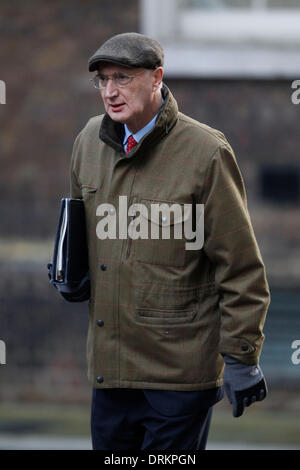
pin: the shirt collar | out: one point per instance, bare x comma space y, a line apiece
140, 134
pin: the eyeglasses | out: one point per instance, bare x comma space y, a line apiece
119, 79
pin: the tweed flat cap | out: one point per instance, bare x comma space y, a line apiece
129, 50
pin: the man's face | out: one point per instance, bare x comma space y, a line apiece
134, 104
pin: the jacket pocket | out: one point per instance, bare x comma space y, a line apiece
89, 194
165, 242
86, 189
164, 317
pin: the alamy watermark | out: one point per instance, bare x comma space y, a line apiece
151, 220
2, 92
296, 354
295, 97
2, 343
2, 352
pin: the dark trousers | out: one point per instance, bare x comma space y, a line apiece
129, 419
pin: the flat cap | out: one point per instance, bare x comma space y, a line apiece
129, 50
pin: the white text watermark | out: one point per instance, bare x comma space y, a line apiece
295, 97
2, 92
296, 354
176, 217
151, 459
2, 352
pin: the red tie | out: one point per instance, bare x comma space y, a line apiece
130, 143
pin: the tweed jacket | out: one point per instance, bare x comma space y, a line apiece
161, 316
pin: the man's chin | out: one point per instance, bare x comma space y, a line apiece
117, 116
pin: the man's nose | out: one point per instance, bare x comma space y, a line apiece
111, 90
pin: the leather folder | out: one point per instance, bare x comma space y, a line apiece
69, 269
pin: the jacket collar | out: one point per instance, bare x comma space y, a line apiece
112, 132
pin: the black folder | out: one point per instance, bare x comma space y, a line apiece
69, 269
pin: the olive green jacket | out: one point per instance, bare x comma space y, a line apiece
161, 316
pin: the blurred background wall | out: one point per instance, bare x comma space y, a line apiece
230, 65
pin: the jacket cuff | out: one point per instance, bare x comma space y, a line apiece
240, 349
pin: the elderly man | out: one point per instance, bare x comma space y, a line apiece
164, 320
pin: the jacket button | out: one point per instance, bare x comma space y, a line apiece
244, 347
100, 380
100, 322
103, 267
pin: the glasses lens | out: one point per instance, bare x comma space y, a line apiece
122, 79
100, 82
96, 81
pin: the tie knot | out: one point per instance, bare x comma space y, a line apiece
130, 143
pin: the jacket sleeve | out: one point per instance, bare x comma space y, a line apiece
231, 246
75, 188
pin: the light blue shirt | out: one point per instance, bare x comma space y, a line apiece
140, 134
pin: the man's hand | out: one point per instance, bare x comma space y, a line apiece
243, 384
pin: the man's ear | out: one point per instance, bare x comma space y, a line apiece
158, 76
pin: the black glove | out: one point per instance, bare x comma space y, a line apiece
243, 384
